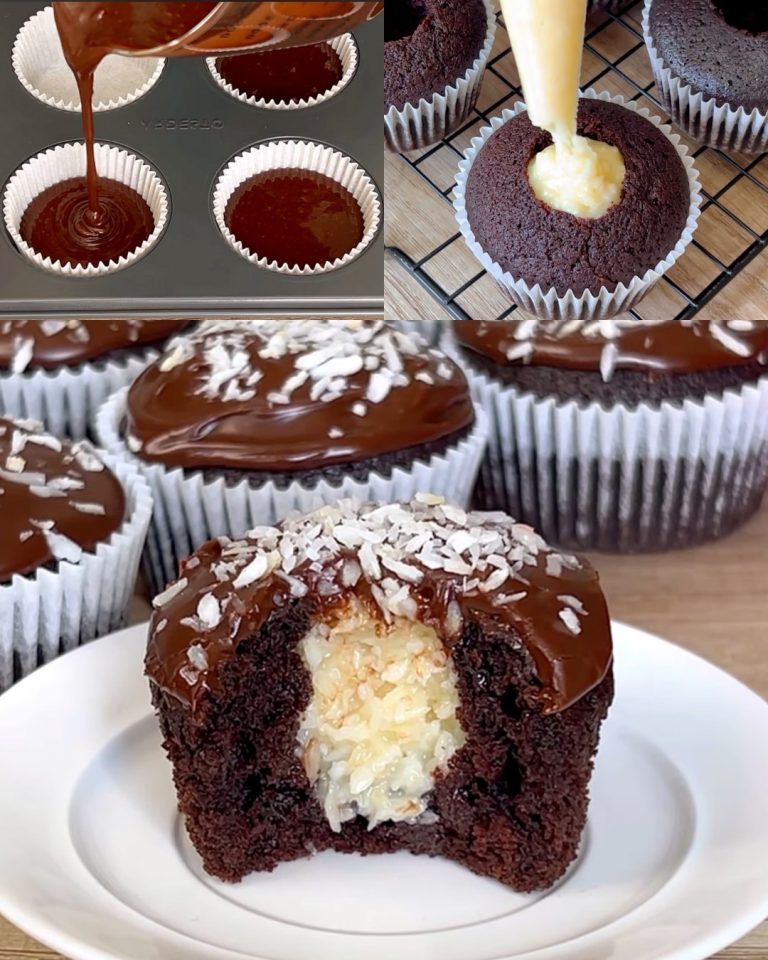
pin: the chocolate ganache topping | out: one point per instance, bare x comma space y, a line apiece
607, 345
57, 499
54, 343
426, 561
293, 395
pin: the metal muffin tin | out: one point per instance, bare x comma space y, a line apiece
188, 128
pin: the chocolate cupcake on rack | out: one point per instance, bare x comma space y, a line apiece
710, 61
622, 436
73, 531
373, 678
61, 371
240, 422
594, 260
435, 54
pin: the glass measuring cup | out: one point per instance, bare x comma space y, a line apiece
178, 29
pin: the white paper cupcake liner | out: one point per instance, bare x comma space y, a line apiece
587, 307
656, 477
39, 64
67, 399
430, 328
303, 155
54, 611
419, 125
188, 510
702, 118
345, 47
64, 162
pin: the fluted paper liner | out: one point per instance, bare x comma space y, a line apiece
190, 510
418, 125
432, 329
53, 611
39, 64
67, 161
723, 126
303, 155
622, 479
345, 47
67, 398
588, 306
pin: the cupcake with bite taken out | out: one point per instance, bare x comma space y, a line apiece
371, 678
241, 422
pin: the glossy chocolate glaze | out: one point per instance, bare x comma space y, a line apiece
551, 602
295, 217
281, 75
667, 348
60, 222
26, 344
293, 395
49, 490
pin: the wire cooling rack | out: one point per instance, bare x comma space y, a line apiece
732, 231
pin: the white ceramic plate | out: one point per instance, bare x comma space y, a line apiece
95, 863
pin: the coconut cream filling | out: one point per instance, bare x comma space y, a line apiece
382, 719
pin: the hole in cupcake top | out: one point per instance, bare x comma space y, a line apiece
580, 176
402, 17
744, 14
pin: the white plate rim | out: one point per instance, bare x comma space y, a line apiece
35, 924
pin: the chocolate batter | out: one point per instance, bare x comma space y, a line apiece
59, 223
295, 217
281, 75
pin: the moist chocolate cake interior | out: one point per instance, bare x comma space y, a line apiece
512, 804
384, 677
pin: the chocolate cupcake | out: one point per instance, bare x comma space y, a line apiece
435, 53
61, 371
710, 61
565, 268
622, 436
378, 678
73, 531
243, 421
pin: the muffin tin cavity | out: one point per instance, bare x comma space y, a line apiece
320, 191
65, 164
40, 67
188, 127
